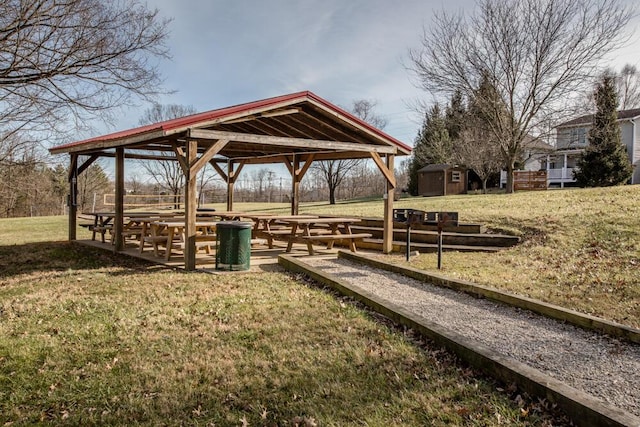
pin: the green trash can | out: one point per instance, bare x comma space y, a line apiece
233, 245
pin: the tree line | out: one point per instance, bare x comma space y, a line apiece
522, 65
461, 133
506, 70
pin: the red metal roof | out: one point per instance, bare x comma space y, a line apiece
195, 119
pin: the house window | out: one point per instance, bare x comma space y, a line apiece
578, 137
455, 176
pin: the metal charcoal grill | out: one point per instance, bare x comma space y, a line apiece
413, 217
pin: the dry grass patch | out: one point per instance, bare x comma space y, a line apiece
92, 338
580, 249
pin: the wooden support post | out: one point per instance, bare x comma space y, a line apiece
191, 205
230, 183
118, 220
387, 238
295, 186
72, 201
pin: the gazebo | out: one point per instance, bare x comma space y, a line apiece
295, 130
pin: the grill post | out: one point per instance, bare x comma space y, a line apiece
408, 247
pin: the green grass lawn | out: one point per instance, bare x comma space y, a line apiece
580, 249
92, 338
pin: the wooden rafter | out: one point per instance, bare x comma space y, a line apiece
391, 179
287, 163
290, 142
281, 122
207, 155
312, 128
180, 155
218, 169
264, 115
73, 167
307, 163
87, 163
236, 172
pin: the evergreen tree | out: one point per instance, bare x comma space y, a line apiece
605, 161
456, 117
431, 146
477, 147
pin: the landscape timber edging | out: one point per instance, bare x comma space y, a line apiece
575, 318
581, 407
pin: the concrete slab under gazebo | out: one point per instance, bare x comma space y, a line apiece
295, 130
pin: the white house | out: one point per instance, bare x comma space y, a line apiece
572, 139
534, 157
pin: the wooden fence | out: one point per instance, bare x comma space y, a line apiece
145, 200
529, 180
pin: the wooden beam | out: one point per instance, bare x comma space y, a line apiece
387, 234
112, 143
73, 196
236, 173
391, 179
142, 156
260, 128
319, 127
318, 155
295, 187
287, 164
191, 205
360, 125
207, 155
118, 220
87, 163
282, 122
180, 155
307, 163
218, 169
230, 184
290, 142
264, 115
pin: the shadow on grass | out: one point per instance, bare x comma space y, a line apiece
61, 256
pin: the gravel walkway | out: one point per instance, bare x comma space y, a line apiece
594, 363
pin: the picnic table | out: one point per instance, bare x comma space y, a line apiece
103, 222
268, 225
228, 215
330, 229
171, 233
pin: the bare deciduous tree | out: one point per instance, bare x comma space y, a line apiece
478, 154
628, 84
333, 172
364, 109
259, 180
91, 182
166, 173
537, 54
74, 59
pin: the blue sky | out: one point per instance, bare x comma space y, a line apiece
227, 52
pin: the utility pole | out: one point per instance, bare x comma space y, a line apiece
270, 179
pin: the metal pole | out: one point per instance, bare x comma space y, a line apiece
439, 248
408, 240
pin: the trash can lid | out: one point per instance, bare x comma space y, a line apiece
234, 224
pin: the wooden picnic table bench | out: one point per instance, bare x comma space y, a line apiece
171, 234
309, 230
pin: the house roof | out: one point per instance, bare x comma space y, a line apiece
438, 167
300, 116
588, 118
536, 144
